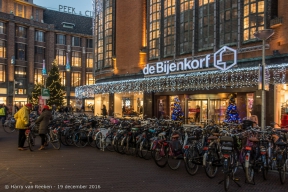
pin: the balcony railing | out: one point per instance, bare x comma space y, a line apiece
276, 22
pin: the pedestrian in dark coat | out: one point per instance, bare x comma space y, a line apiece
44, 119
104, 111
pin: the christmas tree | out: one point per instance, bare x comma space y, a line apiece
36, 92
53, 83
177, 113
232, 115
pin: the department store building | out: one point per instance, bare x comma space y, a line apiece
148, 52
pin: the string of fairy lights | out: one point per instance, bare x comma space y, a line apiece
233, 78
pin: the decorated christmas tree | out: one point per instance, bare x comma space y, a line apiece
53, 83
177, 113
232, 115
36, 92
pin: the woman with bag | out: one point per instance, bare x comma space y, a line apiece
44, 119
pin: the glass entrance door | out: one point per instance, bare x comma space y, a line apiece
197, 110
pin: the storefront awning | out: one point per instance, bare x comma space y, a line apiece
232, 78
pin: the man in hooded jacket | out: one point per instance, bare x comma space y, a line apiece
22, 123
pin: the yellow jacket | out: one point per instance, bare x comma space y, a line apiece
22, 118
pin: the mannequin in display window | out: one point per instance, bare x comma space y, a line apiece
160, 109
197, 114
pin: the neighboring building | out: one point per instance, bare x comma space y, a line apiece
131, 35
30, 34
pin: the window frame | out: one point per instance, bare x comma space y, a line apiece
60, 39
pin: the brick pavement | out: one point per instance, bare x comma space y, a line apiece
112, 171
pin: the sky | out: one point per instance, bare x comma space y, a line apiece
75, 5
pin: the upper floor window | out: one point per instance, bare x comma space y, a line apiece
206, 24
2, 73
89, 43
60, 39
76, 59
20, 72
2, 49
253, 18
76, 41
90, 79
39, 36
60, 57
37, 15
62, 76
39, 54
2, 28
21, 31
21, 51
38, 77
154, 28
186, 25
169, 27
75, 79
89, 60
20, 10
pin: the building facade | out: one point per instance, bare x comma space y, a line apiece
149, 52
31, 35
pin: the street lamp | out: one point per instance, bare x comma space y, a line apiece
13, 105
263, 35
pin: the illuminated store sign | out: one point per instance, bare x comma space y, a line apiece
167, 67
71, 10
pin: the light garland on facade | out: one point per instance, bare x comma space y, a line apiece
233, 78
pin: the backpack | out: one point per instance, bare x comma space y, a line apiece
2, 111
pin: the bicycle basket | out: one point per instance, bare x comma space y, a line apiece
247, 124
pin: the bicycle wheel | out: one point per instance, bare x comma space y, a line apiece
8, 128
190, 167
226, 181
282, 172
265, 167
120, 144
99, 141
55, 141
145, 150
249, 173
92, 139
62, 136
108, 142
210, 169
69, 138
161, 156
174, 159
31, 141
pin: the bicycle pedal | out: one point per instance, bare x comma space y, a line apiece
236, 179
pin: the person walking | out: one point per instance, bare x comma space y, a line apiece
104, 111
3, 114
22, 123
44, 119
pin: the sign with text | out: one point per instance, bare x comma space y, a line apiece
187, 64
71, 10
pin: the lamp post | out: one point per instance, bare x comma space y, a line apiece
14, 83
263, 35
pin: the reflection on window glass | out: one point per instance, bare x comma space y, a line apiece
89, 60
90, 79
38, 78
154, 28
2, 49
